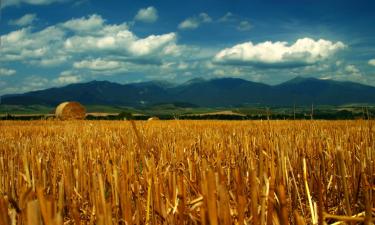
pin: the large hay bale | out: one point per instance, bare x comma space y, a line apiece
70, 111
153, 118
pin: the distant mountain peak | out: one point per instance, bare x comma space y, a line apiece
157, 83
300, 79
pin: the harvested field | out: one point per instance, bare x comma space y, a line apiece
187, 172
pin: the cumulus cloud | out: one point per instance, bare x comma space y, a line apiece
147, 15
189, 24
205, 18
31, 2
25, 20
116, 39
371, 62
124, 43
244, 26
52, 61
353, 71
34, 82
304, 51
151, 44
346, 72
67, 77
61, 80
90, 36
7, 72
194, 22
97, 64
24, 44
89, 47
85, 24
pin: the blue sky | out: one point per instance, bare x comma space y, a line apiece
47, 43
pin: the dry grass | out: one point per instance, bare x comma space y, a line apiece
187, 172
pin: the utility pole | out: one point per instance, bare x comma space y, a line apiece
294, 111
312, 111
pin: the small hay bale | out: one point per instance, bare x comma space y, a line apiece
153, 118
70, 111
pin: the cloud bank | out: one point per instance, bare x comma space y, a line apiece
304, 51
87, 36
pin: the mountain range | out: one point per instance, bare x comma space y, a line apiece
223, 92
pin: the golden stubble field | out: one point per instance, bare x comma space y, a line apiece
187, 172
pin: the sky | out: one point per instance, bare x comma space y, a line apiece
50, 43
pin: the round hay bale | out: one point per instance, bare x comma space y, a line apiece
70, 111
153, 118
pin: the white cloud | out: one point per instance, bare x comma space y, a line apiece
244, 26
35, 82
353, 71
7, 72
31, 2
228, 17
124, 43
151, 44
32, 47
303, 52
90, 36
189, 24
14, 36
67, 77
91, 47
116, 38
205, 18
67, 80
25, 20
228, 71
183, 66
53, 61
194, 22
219, 73
147, 15
346, 72
85, 24
371, 62
97, 64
